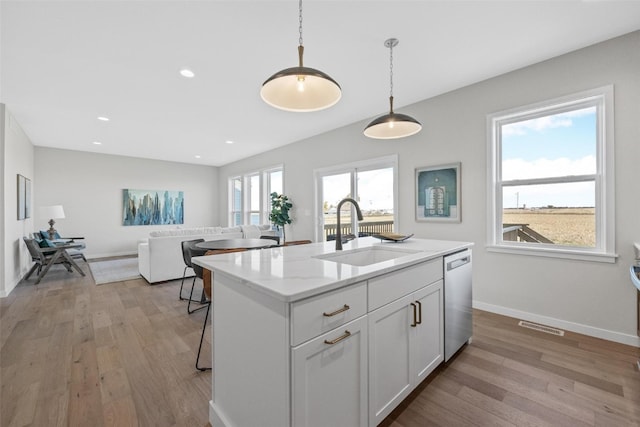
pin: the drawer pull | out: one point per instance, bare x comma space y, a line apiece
419, 321
340, 310
415, 316
346, 334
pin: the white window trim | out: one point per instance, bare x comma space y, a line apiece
604, 178
265, 200
230, 194
362, 165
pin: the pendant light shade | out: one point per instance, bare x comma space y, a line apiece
300, 89
392, 125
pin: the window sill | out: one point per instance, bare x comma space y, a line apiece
555, 253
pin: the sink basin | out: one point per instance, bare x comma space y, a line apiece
366, 256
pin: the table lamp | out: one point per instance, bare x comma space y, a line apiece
52, 212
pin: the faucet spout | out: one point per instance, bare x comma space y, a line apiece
339, 230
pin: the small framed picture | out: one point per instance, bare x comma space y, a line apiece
22, 202
438, 193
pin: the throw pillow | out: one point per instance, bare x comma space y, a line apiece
45, 235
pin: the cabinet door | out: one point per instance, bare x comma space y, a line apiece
428, 341
330, 378
389, 357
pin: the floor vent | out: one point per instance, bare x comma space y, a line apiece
541, 328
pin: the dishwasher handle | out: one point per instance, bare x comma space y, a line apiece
451, 265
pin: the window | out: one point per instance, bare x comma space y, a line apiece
249, 199
372, 183
551, 178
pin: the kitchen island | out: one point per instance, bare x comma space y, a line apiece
305, 335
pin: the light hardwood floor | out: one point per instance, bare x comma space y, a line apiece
76, 354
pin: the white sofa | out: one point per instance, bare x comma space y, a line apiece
160, 257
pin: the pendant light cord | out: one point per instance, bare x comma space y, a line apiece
391, 43
390, 69
300, 46
300, 22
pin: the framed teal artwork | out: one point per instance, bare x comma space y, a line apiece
438, 193
152, 207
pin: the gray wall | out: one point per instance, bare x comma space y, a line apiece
90, 185
17, 156
589, 297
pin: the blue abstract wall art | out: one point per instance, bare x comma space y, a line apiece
152, 207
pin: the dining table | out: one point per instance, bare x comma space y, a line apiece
225, 244
230, 244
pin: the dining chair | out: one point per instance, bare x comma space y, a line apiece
186, 257
271, 237
195, 251
207, 278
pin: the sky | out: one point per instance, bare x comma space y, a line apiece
375, 188
551, 146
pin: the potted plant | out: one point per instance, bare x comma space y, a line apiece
279, 216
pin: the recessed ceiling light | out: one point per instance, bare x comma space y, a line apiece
103, 118
185, 72
228, 142
97, 143
198, 156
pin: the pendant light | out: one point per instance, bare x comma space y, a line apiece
392, 125
300, 89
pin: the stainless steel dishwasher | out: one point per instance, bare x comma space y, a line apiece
458, 316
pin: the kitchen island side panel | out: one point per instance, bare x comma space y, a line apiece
251, 361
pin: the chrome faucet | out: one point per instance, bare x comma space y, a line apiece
339, 231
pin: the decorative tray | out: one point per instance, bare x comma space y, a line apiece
393, 237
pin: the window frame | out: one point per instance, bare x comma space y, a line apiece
352, 168
603, 178
264, 185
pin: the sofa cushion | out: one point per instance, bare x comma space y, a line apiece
237, 229
186, 231
254, 231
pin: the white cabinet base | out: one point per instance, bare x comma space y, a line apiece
329, 381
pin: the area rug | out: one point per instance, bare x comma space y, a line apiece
115, 270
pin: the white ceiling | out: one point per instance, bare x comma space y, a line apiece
64, 63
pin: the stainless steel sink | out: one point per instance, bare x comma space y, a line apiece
366, 256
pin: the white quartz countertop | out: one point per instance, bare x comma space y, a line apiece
291, 273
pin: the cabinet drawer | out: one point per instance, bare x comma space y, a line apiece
391, 286
316, 315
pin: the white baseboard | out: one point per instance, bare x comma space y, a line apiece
111, 254
579, 328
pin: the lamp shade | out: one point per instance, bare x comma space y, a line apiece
392, 126
300, 89
51, 212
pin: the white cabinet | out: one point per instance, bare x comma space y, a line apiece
316, 315
346, 357
405, 345
428, 342
329, 378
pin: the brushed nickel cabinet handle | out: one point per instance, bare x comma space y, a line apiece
346, 334
415, 323
340, 310
419, 321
